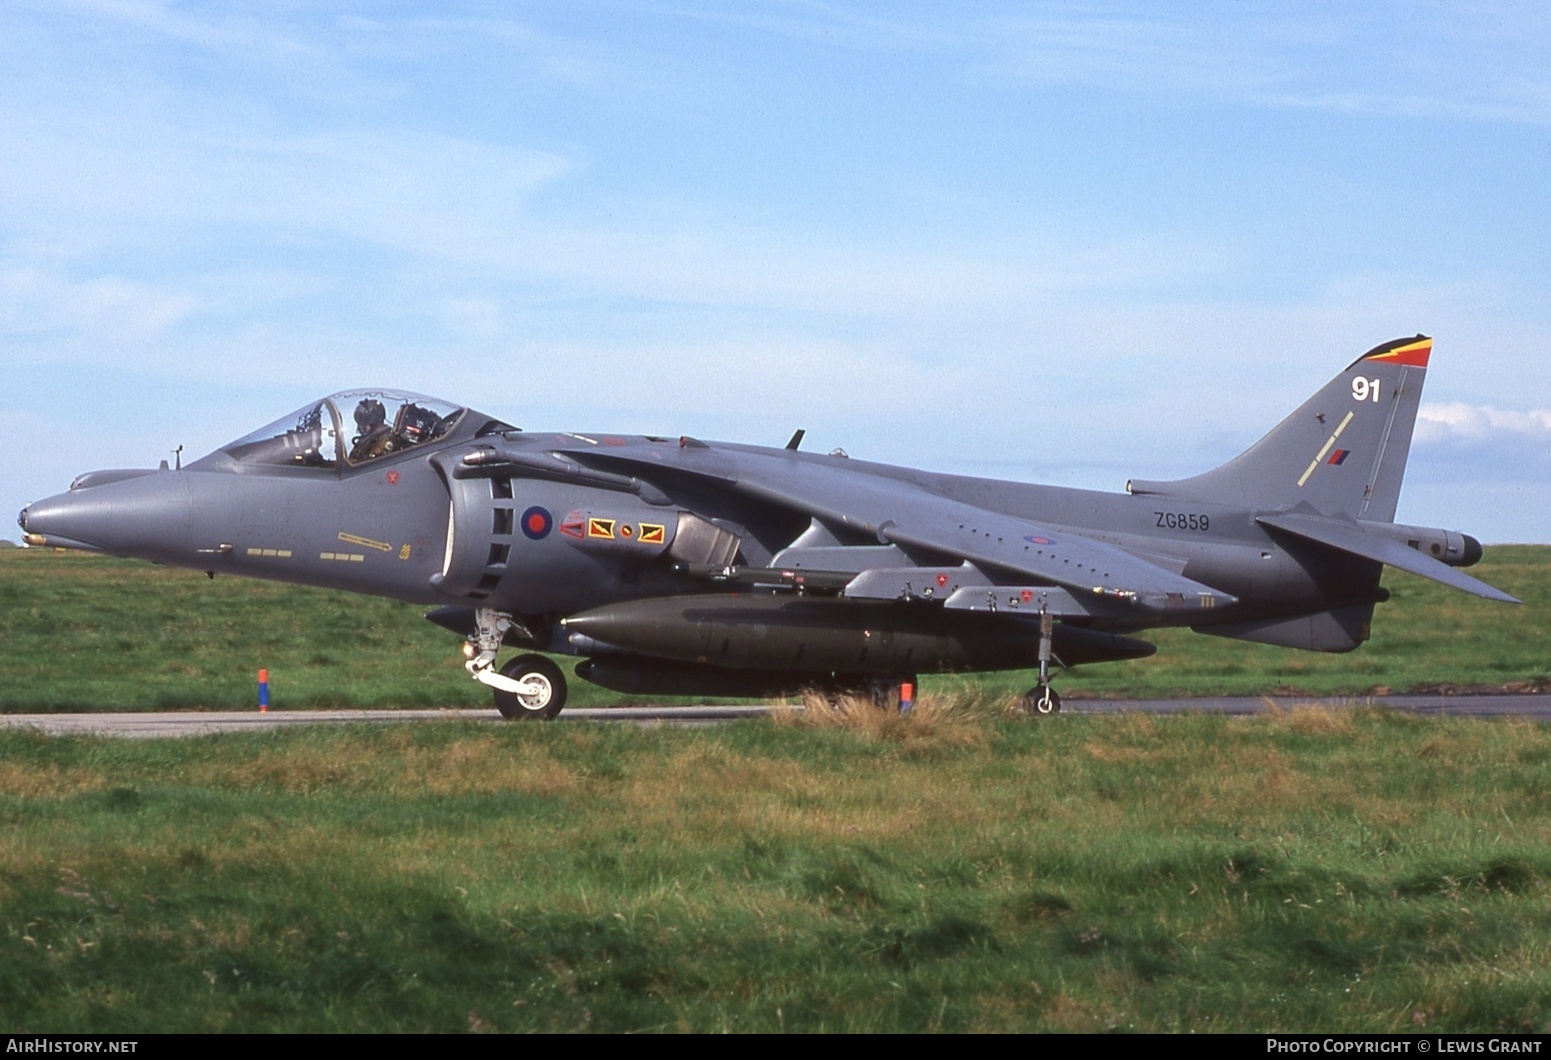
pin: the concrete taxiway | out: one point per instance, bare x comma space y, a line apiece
200, 723
204, 723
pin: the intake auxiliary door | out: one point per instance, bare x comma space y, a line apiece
481, 524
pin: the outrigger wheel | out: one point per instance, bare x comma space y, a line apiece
546, 692
1041, 699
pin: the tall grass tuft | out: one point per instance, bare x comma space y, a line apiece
952, 717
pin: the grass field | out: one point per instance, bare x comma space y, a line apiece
81, 632
950, 870
953, 869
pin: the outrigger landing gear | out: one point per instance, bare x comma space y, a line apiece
529, 686
1042, 699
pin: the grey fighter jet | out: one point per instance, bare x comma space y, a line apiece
677, 566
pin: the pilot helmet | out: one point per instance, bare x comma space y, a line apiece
369, 415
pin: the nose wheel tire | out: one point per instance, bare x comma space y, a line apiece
546, 684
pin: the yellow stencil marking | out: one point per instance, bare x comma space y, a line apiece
600, 528
404, 552
1328, 443
343, 557
652, 533
356, 539
278, 553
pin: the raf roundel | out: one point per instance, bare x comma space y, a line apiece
536, 523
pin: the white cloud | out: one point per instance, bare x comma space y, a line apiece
1456, 421
1473, 447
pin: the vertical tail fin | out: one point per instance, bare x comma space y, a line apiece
1343, 451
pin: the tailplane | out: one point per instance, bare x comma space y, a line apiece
1343, 452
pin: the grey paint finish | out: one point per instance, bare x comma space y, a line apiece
822, 570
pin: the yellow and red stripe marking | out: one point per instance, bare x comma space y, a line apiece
1412, 354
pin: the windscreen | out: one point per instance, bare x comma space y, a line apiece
308, 437
389, 421
321, 434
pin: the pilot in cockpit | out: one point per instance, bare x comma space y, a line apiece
372, 435
412, 425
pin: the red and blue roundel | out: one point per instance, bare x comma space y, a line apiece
536, 523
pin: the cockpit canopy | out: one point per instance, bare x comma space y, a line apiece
375, 422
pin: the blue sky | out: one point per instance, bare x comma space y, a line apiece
1062, 242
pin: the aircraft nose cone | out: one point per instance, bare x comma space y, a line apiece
146, 517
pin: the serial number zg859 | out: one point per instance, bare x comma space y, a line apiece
1183, 521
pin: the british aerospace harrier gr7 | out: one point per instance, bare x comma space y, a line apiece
674, 565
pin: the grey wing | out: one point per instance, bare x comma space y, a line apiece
1350, 538
902, 513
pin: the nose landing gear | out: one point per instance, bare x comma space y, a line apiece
543, 689
529, 686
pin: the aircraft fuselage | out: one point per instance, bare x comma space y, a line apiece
674, 564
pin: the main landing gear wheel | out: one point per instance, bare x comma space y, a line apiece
546, 684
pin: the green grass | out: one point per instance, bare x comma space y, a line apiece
81, 632
954, 870
1426, 637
